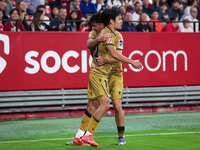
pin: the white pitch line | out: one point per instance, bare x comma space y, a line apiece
100, 137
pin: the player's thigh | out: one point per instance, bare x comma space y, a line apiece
116, 87
97, 87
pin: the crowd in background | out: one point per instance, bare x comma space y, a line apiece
74, 15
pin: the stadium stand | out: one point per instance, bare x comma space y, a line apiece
48, 10
57, 100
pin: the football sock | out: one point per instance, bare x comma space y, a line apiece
87, 133
120, 131
79, 134
85, 121
92, 125
84, 124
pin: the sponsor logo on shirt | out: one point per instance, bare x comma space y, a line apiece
109, 40
121, 44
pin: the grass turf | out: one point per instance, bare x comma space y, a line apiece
142, 132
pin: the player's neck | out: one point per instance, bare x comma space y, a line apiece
111, 27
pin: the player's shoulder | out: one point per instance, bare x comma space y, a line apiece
92, 32
92, 35
118, 34
106, 30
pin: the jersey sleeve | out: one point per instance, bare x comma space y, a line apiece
110, 41
119, 42
92, 35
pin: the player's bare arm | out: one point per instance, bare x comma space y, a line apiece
120, 57
102, 60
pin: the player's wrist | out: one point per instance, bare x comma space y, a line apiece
106, 60
132, 63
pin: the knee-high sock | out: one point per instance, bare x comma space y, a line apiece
85, 121
93, 124
84, 124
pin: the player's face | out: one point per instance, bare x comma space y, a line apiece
97, 27
118, 22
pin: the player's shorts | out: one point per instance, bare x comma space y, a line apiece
116, 86
97, 86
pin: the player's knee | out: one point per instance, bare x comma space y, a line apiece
117, 107
91, 110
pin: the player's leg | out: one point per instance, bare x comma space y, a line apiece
95, 119
116, 91
91, 108
119, 119
119, 114
99, 90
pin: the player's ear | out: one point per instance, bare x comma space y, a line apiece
112, 21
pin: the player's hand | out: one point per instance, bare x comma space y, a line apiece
104, 36
101, 60
137, 64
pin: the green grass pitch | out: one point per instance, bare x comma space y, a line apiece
167, 131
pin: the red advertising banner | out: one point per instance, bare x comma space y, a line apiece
55, 60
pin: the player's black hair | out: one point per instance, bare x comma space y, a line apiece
111, 13
97, 18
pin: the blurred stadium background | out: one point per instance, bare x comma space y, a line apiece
43, 91
47, 73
